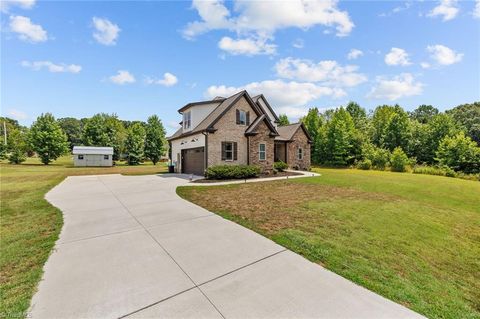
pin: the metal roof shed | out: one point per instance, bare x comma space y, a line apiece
92, 156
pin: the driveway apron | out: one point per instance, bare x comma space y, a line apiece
130, 247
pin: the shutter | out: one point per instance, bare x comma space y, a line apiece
234, 151
248, 118
238, 116
224, 156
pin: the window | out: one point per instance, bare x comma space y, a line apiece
262, 154
80, 157
229, 151
187, 120
105, 157
242, 117
300, 153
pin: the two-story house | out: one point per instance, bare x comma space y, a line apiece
236, 130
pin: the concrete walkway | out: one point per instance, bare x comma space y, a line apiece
130, 247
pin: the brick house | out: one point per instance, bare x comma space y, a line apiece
236, 130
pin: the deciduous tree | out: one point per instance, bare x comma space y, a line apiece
135, 144
47, 138
155, 142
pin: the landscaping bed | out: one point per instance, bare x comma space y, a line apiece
260, 176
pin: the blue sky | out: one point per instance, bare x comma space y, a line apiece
141, 58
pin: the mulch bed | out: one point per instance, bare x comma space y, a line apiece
279, 174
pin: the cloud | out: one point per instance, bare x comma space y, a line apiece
122, 77
280, 93
52, 67
425, 65
403, 85
173, 125
17, 114
444, 55
248, 46
168, 80
106, 31
263, 18
299, 43
476, 11
397, 56
396, 10
354, 54
447, 9
5, 5
329, 72
27, 31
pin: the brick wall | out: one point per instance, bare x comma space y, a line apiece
262, 137
299, 140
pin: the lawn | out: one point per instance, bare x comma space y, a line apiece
29, 225
414, 239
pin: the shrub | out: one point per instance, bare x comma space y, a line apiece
399, 160
378, 157
280, 166
460, 153
429, 170
232, 171
366, 164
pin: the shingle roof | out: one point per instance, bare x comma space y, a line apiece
253, 126
286, 132
92, 150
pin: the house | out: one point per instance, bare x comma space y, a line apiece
92, 156
236, 130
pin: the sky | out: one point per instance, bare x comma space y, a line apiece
135, 59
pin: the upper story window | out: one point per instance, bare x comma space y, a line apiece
262, 153
243, 117
187, 120
300, 153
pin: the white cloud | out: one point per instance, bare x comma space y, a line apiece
397, 9
263, 18
248, 46
448, 9
168, 80
444, 55
476, 11
403, 85
5, 5
106, 31
27, 31
122, 77
397, 56
52, 67
280, 93
354, 54
329, 72
425, 65
173, 125
17, 114
299, 43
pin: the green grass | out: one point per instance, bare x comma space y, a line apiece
29, 225
414, 239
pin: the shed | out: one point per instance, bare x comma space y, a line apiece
92, 156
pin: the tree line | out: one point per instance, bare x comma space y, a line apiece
391, 137
49, 138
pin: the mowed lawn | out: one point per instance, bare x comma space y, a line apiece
414, 239
29, 225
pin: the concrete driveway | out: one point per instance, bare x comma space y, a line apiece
130, 247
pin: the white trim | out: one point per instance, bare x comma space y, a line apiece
264, 152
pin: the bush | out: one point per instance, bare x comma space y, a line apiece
378, 157
280, 166
399, 160
460, 153
232, 171
366, 164
430, 170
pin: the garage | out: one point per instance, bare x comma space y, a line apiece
193, 161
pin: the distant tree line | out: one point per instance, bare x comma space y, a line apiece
391, 137
134, 141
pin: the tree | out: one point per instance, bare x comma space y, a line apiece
47, 138
438, 128
105, 130
467, 116
313, 122
17, 146
339, 137
424, 113
73, 128
399, 160
155, 141
398, 131
380, 121
460, 153
358, 114
283, 120
135, 144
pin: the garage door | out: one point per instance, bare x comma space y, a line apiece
193, 161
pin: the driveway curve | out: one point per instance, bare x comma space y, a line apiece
131, 248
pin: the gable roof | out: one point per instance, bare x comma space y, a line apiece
288, 131
251, 130
208, 123
261, 96
98, 150
217, 100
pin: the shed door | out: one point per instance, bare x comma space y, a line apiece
94, 160
193, 161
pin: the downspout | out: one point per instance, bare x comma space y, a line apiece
248, 150
205, 165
